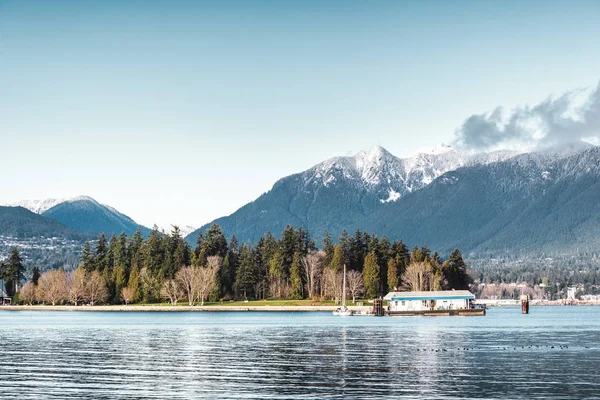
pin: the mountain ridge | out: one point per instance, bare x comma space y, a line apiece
339, 191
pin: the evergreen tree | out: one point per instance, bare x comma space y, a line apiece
289, 244
418, 255
358, 251
246, 276
265, 249
401, 255
109, 278
228, 271
110, 254
135, 250
327, 248
371, 274
134, 282
120, 279
384, 253
101, 251
307, 244
87, 257
153, 252
135, 242
392, 273
200, 259
14, 272
276, 267
227, 276
215, 243
337, 261
181, 257
35, 276
345, 242
168, 266
120, 256
455, 272
297, 289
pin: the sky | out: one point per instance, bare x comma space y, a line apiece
183, 111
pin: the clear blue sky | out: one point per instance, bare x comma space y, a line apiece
182, 111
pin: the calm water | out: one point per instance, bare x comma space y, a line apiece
85, 355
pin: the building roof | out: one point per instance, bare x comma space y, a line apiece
433, 295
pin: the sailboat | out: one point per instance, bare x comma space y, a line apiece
343, 311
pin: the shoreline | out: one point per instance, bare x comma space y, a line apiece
163, 308
223, 308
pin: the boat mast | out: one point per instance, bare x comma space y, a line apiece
344, 289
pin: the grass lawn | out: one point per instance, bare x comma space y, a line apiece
254, 303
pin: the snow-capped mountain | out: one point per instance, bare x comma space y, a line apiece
542, 202
534, 203
37, 206
84, 214
338, 192
377, 170
184, 230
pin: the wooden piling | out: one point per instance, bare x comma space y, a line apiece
525, 304
378, 308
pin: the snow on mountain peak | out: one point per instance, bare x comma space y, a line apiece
388, 177
184, 230
82, 198
375, 164
43, 205
37, 206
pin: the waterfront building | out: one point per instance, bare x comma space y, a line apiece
434, 300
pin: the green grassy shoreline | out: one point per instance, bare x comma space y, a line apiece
259, 305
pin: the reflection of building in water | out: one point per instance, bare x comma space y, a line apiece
434, 300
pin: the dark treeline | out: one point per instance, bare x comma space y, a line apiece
165, 266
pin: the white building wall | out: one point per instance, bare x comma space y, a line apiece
420, 305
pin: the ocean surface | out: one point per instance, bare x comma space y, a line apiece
554, 352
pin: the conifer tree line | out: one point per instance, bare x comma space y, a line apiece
164, 267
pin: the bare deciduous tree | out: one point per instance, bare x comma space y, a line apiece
188, 278
332, 283
313, 267
76, 283
95, 288
355, 282
419, 276
127, 295
28, 293
171, 290
206, 279
53, 286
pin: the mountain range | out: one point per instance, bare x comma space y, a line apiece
529, 204
341, 191
81, 214
490, 204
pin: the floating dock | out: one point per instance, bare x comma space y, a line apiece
439, 313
